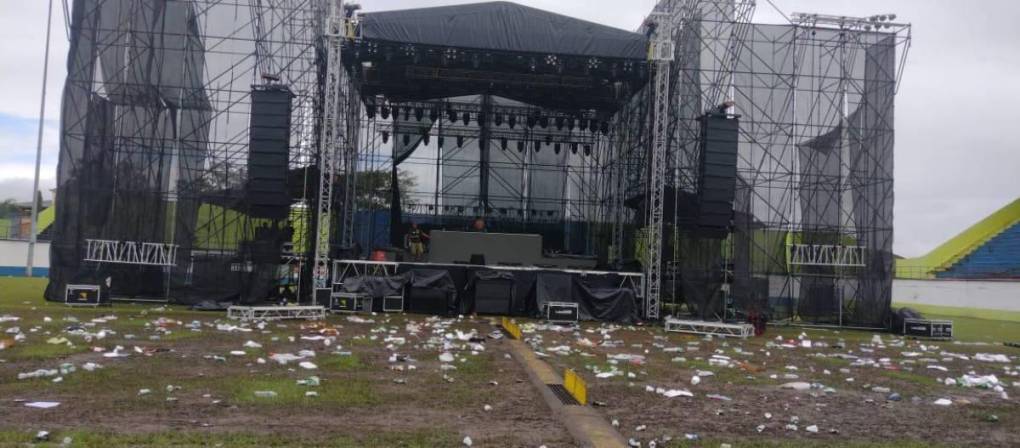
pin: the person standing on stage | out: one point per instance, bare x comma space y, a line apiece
478, 225
416, 241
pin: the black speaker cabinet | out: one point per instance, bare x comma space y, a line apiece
427, 301
268, 152
718, 170
494, 296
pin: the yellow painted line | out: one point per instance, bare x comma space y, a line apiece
576, 386
512, 328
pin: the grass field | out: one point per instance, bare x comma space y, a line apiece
203, 383
976, 325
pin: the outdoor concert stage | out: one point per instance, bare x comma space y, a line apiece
725, 159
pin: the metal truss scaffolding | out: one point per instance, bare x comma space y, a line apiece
811, 233
155, 140
164, 163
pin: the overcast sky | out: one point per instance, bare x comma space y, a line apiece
957, 157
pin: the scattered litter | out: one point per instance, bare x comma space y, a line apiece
252, 344
42, 404
984, 382
986, 357
265, 394
312, 381
308, 365
41, 373
798, 385
467, 441
812, 429
943, 402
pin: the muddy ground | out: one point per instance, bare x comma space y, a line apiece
202, 374
852, 380
368, 392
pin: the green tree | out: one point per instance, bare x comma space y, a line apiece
374, 188
8, 207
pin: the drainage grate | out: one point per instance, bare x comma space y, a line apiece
561, 392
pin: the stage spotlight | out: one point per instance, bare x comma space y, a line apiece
587, 150
573, 148
548, 140
556, 148
570, 124
512, 121
407, 139
370, 110
593, 126
385, 136
441, 141
466, 117
498, 120
407, 114
538, 146
433, 114
460, 141
559, 123
419, 113
451, 115
481, 119
520, 146
531, 121
502, 144
385, 113
543, 121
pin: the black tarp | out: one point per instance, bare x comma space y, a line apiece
430, 291
376, 286
601, 303
503, 26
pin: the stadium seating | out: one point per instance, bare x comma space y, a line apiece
999, 257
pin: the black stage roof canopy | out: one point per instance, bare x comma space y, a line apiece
503, 26
499, 48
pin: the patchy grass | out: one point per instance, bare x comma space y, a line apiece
19, 289
344, 392
977, 313
975, 325
350, 362
924, 383
41, 351
756, 443
87, 438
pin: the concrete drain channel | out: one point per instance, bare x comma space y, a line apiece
563, 394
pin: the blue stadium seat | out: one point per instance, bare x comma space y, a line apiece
997, 258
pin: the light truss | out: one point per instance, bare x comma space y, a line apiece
742, 331
827, 255
131, 252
